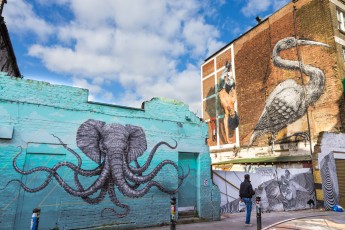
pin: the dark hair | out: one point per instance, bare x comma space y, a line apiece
246, 176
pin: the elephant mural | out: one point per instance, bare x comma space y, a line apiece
115, 148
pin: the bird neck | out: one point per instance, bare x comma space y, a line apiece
316, 83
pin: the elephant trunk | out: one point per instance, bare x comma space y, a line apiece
118, 174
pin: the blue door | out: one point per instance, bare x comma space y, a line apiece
187, 199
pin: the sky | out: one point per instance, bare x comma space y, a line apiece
126, 52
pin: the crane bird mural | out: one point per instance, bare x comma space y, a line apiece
289, 101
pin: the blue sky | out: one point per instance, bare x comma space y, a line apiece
127, 51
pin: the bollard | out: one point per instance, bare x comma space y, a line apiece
35, 219
173, 213
258, 213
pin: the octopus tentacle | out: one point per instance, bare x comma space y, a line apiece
143, 179
149, 159
80, 187
115, 201
136, 185
31, 190
83, 172
139, 193
97, 199
101, 180
84, 193
51, 172
118, 174
183, 176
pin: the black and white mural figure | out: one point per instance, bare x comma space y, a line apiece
279, 189
296, 189
289, 101
115, 148
329, 177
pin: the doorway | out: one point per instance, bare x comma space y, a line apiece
340, 169
187, 193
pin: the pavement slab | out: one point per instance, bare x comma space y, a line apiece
313, 219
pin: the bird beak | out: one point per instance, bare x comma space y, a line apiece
302, 42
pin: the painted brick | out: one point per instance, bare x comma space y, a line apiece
208, 68
39, 110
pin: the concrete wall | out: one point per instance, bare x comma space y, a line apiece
257, 77
41, 122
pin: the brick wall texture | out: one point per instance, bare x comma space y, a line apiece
257, 76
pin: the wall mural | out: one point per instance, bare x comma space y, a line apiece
279, 189
113, 147
289, 101
227, 97
330, 186
219, 106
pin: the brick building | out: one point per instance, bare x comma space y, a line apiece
8, 61
269, 94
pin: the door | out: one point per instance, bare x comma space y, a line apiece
340, 168
187, 193
48, 199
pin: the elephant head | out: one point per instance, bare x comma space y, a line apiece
118, 146
96, 139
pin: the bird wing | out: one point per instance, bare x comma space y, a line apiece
282, 107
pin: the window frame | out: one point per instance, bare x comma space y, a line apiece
341, 19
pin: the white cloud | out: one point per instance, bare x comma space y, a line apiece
20, 17
196, 34
50, 2
142, 46
277, 4
255, 7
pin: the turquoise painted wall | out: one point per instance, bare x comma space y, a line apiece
31, 112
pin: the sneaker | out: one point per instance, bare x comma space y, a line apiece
248, 225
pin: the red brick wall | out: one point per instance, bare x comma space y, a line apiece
257, 77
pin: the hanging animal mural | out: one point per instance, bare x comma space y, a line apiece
227, 97
113, 147
289, 101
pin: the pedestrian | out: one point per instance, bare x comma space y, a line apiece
246, 194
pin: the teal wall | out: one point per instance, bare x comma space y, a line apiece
31, 111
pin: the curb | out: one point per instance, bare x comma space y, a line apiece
283, 221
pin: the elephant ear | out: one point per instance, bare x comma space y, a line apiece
88, 139
136, 142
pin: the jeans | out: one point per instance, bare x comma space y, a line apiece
248, 202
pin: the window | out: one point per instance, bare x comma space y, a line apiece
341, 20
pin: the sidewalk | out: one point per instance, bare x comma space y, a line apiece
305, 219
